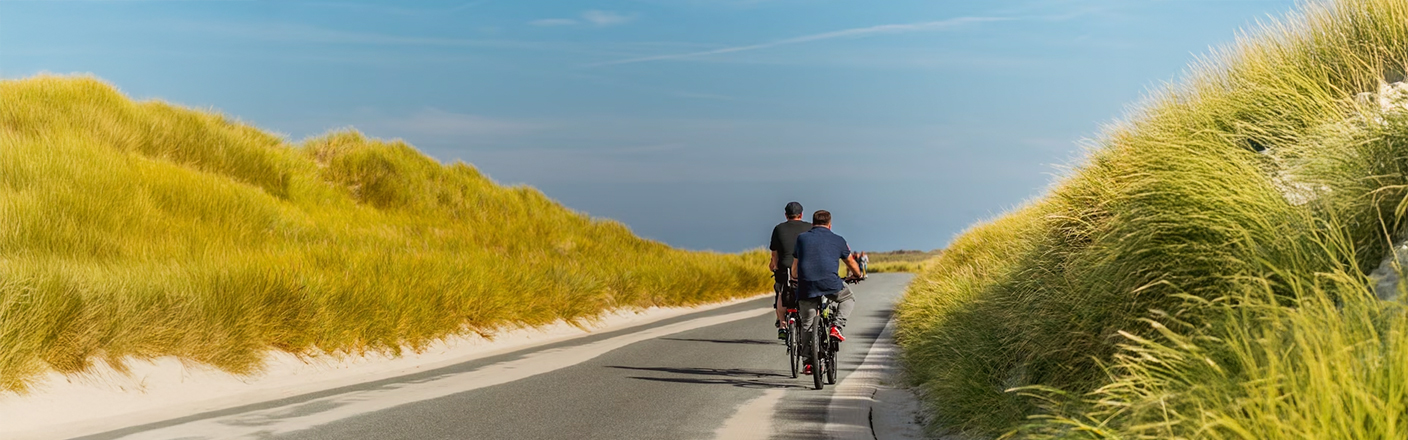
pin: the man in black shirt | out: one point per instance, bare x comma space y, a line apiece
783, 244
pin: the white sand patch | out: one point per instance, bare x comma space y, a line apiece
66, 406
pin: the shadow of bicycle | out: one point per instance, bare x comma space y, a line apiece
717, 376
729, 341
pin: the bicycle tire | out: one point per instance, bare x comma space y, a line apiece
794, 352
831, 361
832, 346
818, 364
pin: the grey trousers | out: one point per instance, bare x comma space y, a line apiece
807, 309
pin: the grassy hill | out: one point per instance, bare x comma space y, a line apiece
1220, 267
140, 229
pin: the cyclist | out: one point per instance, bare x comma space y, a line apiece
784, 237
816, 253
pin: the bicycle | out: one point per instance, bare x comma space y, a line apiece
790, 317
823, 355
794, 343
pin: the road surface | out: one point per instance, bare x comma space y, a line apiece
713, 374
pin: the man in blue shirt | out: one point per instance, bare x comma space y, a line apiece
817, 252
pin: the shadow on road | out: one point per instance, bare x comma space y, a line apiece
735, 372
731, 382
718, 376
728, 341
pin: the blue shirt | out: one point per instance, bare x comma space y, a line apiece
817, 252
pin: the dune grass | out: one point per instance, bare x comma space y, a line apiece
899, 261
132, 230
895, 266
1214, 270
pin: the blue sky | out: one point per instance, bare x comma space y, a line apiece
692, 121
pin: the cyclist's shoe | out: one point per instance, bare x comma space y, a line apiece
836, 333
782, 334
807, 369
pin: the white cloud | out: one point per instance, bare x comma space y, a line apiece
606, 18
844, 33
553, 22
592, 17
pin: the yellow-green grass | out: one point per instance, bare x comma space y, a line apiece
1205, 274
132, 230
899, 261
895, 266
903, 255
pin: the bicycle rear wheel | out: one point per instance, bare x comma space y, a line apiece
831, 347
794, 352
817, 363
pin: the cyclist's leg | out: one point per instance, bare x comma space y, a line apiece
780, 312
777, 285
806, 308
845, 303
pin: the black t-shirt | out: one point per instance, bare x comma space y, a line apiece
784, 240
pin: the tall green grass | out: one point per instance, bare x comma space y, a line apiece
131, 230
1206, 273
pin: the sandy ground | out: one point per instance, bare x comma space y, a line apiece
104, 399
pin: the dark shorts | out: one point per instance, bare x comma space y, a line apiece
780, 287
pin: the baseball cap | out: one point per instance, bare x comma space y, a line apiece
793, 209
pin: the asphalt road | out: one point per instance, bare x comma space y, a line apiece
651, 382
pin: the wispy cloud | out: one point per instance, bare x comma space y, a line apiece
553, 22
592, 17
606, 18
844, 33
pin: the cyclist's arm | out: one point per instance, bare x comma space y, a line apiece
774, 244
794, 268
